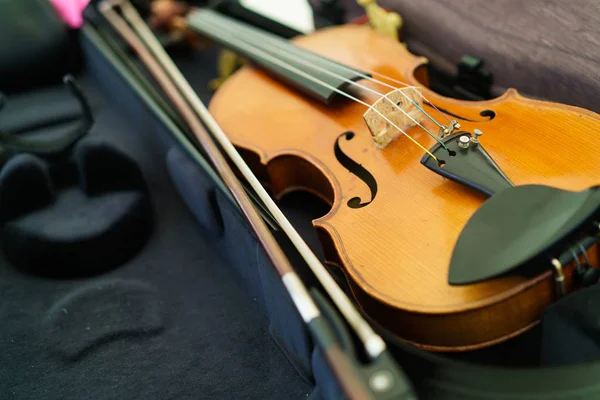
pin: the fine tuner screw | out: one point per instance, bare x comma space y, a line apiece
477, 134
463, 141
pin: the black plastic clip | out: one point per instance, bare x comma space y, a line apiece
328, 13
473, 81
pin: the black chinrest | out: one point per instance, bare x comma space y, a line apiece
520, 229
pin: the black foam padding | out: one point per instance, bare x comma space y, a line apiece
25, 186
86, 236
84, 231
571, 329
39, 110
102, 312
103, 168
35, 45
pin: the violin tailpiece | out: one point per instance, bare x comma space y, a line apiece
464, 160
398, 106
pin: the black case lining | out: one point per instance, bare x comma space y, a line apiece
173, 322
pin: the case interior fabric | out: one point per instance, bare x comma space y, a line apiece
172, 322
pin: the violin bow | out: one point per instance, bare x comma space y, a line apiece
382, 378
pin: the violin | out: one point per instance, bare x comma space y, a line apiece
456, 223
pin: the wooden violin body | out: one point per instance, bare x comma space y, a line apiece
395, 248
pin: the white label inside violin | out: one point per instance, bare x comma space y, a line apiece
296, 14
401, 106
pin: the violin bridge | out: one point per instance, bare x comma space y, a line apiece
398, 106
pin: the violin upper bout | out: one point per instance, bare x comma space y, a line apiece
512, 92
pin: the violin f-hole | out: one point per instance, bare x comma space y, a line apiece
356, 169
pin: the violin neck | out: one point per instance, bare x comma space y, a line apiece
278, 57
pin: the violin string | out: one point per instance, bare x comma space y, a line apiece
284, 46
293, 57
256, 51
403, 84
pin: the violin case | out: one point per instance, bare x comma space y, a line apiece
127, 271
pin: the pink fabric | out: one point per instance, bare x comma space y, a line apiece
71, 11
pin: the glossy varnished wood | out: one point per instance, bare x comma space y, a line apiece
396, 251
